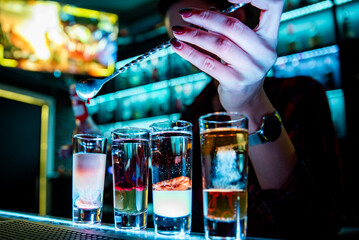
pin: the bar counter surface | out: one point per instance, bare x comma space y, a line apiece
18, 225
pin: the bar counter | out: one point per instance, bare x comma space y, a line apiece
18, 225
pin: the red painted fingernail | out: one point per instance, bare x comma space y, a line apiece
176, 44
185, 12
178, 29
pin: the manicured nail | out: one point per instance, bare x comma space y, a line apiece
178, 29
213, 8
185, 12
176, 44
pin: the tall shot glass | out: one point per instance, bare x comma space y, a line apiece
171, 156
130, 152
88, 178
224, 152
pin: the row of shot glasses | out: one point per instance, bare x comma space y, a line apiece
224, 145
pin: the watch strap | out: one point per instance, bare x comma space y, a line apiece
258, 136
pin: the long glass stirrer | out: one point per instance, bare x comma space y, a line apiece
88, 88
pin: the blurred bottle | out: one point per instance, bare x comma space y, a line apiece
83, 122
293, 42
155, 75
348, 29
329, 80
289, 5
315, 40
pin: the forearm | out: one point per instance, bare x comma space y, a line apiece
273, 162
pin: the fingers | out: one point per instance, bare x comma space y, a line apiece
270, 17
261, 4
228, 37
230, 27
223, 48
202, 61
229, 76
211, 42
267, 28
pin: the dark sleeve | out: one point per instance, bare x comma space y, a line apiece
306, 203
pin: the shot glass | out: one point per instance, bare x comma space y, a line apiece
130, 153
224, 154
88, 178
171, 157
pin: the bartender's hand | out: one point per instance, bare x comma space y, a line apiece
239, 58
244, 55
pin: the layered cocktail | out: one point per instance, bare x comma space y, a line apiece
130, 150
171, 156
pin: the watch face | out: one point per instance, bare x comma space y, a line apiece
271, 128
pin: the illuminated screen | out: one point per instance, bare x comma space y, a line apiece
48, 36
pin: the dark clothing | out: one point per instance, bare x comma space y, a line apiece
306, 204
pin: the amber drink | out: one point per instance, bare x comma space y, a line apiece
224, 151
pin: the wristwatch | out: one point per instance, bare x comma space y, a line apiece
269, 132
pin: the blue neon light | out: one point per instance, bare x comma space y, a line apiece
316, 7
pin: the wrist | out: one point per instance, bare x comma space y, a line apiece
255, 109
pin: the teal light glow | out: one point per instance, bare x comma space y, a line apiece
308, 54
339, 2
337, 108
316, 7
33, 217
306, 10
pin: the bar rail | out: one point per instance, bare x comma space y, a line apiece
16, 225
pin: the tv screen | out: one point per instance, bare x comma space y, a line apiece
47, 36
